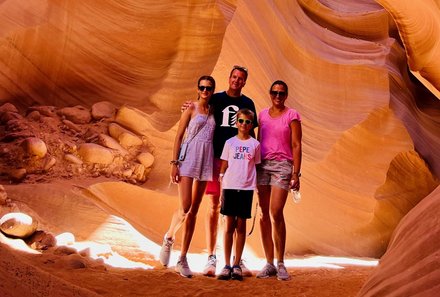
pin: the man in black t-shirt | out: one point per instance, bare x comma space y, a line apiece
226, 105
225, 115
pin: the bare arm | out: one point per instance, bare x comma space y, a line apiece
183, 124
223, 168
296, 130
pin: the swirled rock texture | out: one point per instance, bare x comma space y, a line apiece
143, 53
419, 29
364, 76
410, 267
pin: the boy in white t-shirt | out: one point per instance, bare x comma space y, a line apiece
238, 177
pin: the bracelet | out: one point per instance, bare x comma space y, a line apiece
174, 162
221, 174
297, 173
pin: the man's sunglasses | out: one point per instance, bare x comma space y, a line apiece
275, 93
247, 122
208, 88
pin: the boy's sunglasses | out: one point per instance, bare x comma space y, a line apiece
208, 88
247, 122
275, 93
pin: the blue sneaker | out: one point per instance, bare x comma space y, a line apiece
225, 274
236, 273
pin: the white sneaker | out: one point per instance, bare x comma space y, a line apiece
165, 251
210, 266
244, 270
282, 273
182, 267
267, 271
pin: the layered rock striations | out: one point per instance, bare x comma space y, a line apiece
143, 53
362, 74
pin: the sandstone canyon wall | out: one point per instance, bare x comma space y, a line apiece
370, 126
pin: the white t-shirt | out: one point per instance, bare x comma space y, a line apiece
242, 156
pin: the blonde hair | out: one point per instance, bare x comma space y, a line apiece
247, 112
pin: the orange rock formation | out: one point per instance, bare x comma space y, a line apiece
364, 76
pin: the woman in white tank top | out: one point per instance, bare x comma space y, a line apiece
191, 173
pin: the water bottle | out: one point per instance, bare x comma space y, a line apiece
296, 195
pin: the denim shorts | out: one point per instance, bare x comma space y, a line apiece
275, 173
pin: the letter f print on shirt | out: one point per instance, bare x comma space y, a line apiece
229, 116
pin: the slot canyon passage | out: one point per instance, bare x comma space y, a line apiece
90, 96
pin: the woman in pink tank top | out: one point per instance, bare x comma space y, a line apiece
280, 137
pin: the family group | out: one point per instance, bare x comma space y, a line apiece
216, 153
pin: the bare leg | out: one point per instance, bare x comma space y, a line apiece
190, 222
185, 188
228, 238
278, 201
211, 224
240, 240
265, 223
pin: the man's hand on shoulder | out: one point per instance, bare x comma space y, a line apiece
187, 104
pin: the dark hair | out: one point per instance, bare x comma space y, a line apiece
241, 69
209, 78
246, 112
280, 82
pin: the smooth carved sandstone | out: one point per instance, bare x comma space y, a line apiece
73, 159
134, 120
35, 147
419, 29
110, 142
128, 140
370, 127
49, 163
76, 114
17, 224
146, 159
125, 137
102, 110
94, 153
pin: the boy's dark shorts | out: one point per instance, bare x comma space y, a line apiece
237, 203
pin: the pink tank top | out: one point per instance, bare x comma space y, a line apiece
275, 134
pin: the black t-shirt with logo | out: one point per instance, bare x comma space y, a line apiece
225, 115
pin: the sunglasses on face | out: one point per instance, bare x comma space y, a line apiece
208, 88
243, 121
275, 93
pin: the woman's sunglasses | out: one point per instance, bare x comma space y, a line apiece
275, 93
247, 122
208, 88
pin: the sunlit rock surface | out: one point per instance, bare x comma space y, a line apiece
364, 78
143, 53
419, 29
410, 267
